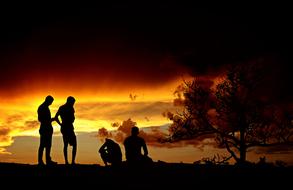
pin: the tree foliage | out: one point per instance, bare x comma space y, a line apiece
235, 109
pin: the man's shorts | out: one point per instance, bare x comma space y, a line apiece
46, 140
69, 137
67, 131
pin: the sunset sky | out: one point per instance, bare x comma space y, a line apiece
124, 62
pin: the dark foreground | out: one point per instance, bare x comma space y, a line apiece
159, 176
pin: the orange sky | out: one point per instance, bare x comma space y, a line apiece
94, 110
120, 63
19, 138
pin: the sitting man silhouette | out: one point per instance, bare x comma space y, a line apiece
133, 145
111, 153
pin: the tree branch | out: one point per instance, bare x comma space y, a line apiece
269, 145
230, 151
235, 145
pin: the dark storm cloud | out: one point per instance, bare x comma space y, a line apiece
79, 47
137, 45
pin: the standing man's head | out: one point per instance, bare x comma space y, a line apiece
49, 100
70, 100
134, 131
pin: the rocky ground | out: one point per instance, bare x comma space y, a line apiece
156, 176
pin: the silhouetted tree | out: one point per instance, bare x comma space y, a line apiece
235, 109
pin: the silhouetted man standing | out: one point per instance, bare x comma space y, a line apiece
133, 145
46, 131
66, 112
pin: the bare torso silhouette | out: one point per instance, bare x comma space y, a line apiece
44, 116
66, 113
133, 145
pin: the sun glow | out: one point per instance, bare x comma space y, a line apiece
94, 109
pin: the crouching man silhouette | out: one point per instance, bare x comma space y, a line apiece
111, 153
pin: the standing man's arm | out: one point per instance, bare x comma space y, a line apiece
73, 115
53, 119
56, 118
126, 148
40, 116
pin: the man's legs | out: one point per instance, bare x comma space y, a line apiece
40, 155
65, 141
47, 142
41, 150
104, 157
74, 147
69, 138
73, 153
48, 148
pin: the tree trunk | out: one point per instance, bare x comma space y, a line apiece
242, 147
242, 159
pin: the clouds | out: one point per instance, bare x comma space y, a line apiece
112, 49
15, 125
154, 136
31, 124
90, 116
54, 57
281, 149
118, 111
5, 138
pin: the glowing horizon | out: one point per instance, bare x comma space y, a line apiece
93, 110
119, 66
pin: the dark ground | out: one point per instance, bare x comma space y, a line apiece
159, 176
